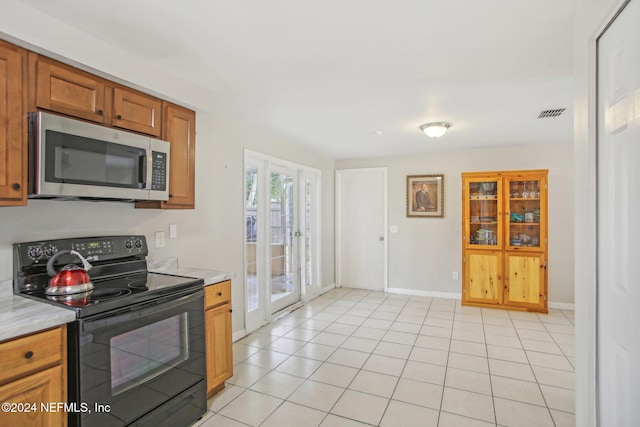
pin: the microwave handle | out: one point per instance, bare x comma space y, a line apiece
142, 171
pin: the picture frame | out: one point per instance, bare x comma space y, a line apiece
429, 205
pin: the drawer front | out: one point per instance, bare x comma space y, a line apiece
217, 294
32, 353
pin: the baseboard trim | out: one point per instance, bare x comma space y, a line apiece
562, 305
238, 335
327, 289
419, 293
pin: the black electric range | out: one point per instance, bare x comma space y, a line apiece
137, 346
119, 274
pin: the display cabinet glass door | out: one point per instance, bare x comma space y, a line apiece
483, 198
524, 216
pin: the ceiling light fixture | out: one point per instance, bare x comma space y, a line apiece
435, 129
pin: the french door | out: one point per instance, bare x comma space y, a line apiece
281, 248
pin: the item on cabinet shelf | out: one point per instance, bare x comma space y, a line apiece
515, 193
529, 217
475, 218
516, 217
488, 188
488, 219
525, 238
70, 279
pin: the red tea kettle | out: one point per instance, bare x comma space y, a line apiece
70, 279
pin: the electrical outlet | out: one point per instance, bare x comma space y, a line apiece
393, 229
455, 275
159, 239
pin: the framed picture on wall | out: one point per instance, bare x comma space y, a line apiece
425, 196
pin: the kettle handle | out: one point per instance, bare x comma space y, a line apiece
52, 271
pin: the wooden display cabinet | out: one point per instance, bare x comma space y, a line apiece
504, 232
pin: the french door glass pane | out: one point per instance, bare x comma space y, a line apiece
307, 232
251, 237
282, 235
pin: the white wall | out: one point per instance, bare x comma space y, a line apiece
591, 18
211, 236
434, 245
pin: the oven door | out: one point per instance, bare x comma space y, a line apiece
138, 359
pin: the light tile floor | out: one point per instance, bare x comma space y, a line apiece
357, 358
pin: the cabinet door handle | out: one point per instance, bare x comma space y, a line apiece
100, 113
219, 294
119, 117
28, 355
16, 186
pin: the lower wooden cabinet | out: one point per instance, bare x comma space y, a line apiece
525, 275
218, 335
483, 277
33, 379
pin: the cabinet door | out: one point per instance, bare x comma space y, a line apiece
179, 128
483, 277
67, 90
13, 143
525, 275
180, 131
482, 212
526, 212
136, 111
219, 346
42, 387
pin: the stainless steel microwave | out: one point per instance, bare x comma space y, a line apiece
70, 159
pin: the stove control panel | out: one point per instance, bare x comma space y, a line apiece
94, 248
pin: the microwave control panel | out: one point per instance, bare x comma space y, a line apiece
159, 171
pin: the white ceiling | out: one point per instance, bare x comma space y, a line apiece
332, 74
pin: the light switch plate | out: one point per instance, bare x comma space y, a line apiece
159, 239
393, 229
173, 231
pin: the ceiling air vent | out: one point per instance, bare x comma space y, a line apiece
551, 113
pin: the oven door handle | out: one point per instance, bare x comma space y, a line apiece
148, 308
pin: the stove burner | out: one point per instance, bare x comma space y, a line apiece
108, 293
138, 284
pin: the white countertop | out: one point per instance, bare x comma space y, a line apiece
170, 266
21, 316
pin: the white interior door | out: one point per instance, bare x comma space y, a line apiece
361, 240
618, 317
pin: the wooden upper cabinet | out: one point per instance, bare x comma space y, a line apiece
63, 89
136, 111
179, 129
13, 139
